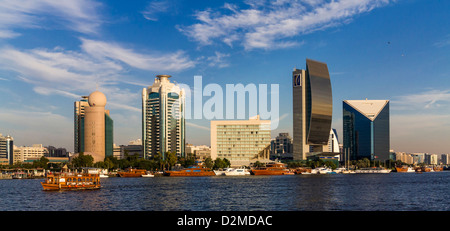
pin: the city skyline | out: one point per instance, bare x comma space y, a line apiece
54, 53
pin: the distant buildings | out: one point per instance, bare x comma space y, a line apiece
57, 152
281, 147
163, 122
333, 142
366, 129
93, 126
201, 152
312, 109
6, 149
22, 154
240, 141
445, 159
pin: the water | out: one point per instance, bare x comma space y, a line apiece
333, 192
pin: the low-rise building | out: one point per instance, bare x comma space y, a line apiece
242, 142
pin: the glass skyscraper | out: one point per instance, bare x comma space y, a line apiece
312, 109
7, 149
163, 122
366, 129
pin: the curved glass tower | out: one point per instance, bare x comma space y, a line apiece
313, 109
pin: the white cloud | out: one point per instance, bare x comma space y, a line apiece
175, 61
273, 25
98, 64
77, 15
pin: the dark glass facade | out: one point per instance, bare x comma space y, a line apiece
319, 101
312, 108
109, 136
363, 137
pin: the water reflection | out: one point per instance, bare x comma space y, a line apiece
356, 192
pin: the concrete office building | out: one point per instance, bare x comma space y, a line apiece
241, 141
93, 127
366, 129
6, 149
24, 153
163, 122
312, 109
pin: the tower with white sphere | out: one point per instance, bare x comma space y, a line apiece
95, 134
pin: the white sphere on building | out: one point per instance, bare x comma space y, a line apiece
97, 99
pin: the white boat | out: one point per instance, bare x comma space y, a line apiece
236, 172
221, 172
148, 175
339, 170
348, 172
103, 175
373, 170
325, 170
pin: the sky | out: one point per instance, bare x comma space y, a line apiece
53, 52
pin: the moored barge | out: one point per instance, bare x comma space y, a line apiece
132, 172
191, 171
271, 169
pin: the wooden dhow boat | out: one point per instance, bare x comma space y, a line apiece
132, 172
71, 181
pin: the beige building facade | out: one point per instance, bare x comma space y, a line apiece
36, 151
94, 126
241, 141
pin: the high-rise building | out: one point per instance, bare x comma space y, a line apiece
163, 122
240, 141
366, 129
7, 149
312, 109
93, 127
79, 107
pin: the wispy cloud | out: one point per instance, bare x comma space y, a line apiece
427, 100
77, 15
273, 24
154, 8
99, 64
218, 60
443, 42
154, 61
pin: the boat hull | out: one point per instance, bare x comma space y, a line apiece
132, 173
268, 172
71, 182
192, 171
53, 187
190, 174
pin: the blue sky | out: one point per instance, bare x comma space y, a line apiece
52, 52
